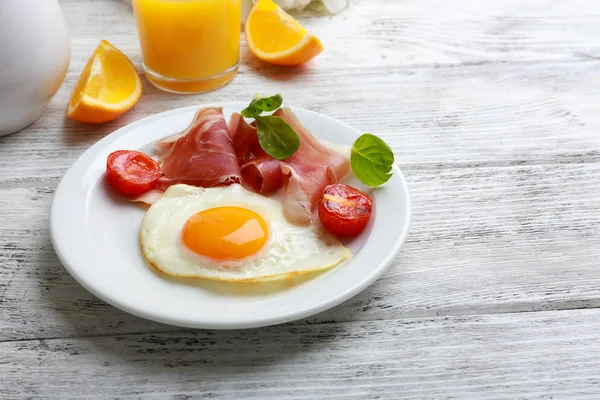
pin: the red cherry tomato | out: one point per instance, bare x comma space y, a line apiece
344, 210
131, 172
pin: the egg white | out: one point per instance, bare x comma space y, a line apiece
290, 250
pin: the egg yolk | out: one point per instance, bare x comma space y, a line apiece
225, 233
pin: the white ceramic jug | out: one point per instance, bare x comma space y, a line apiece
34, 59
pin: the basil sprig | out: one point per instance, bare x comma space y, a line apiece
371, 160
260, 104
276, 137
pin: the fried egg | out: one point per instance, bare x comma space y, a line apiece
231, 234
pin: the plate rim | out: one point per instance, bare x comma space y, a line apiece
331, 302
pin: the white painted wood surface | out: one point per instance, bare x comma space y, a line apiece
492, 110
525, 355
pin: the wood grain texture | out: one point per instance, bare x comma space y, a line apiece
491, 109
464, 112
483, 240
410, 32
468, 116
522, 355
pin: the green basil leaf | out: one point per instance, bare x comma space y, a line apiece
262, 104
276, 137
371, 160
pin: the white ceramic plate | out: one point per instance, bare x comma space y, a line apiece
95, 235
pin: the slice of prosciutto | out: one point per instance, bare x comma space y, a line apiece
311, 168
164, 145
259, 170
203, 155
308, 171
245, 140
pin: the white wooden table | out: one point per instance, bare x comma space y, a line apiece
493, 111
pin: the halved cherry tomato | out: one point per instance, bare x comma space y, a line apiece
344, 210
132, 172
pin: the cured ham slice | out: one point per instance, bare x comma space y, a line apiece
245, 140
311, 168
308, 171
259, 171
264, 174
150, 197
203, 155
164, 145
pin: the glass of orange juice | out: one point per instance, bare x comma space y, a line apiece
189, 46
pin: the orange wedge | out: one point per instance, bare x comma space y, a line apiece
108, 87
275, 37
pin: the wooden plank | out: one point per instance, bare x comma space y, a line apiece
491, 109
467, 116
512, 356
374, 33
484, 240
370, 77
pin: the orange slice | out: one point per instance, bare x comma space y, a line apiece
108, 87
275, 37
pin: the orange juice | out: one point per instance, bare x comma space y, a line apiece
189, 46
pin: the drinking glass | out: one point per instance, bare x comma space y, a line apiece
189, 46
